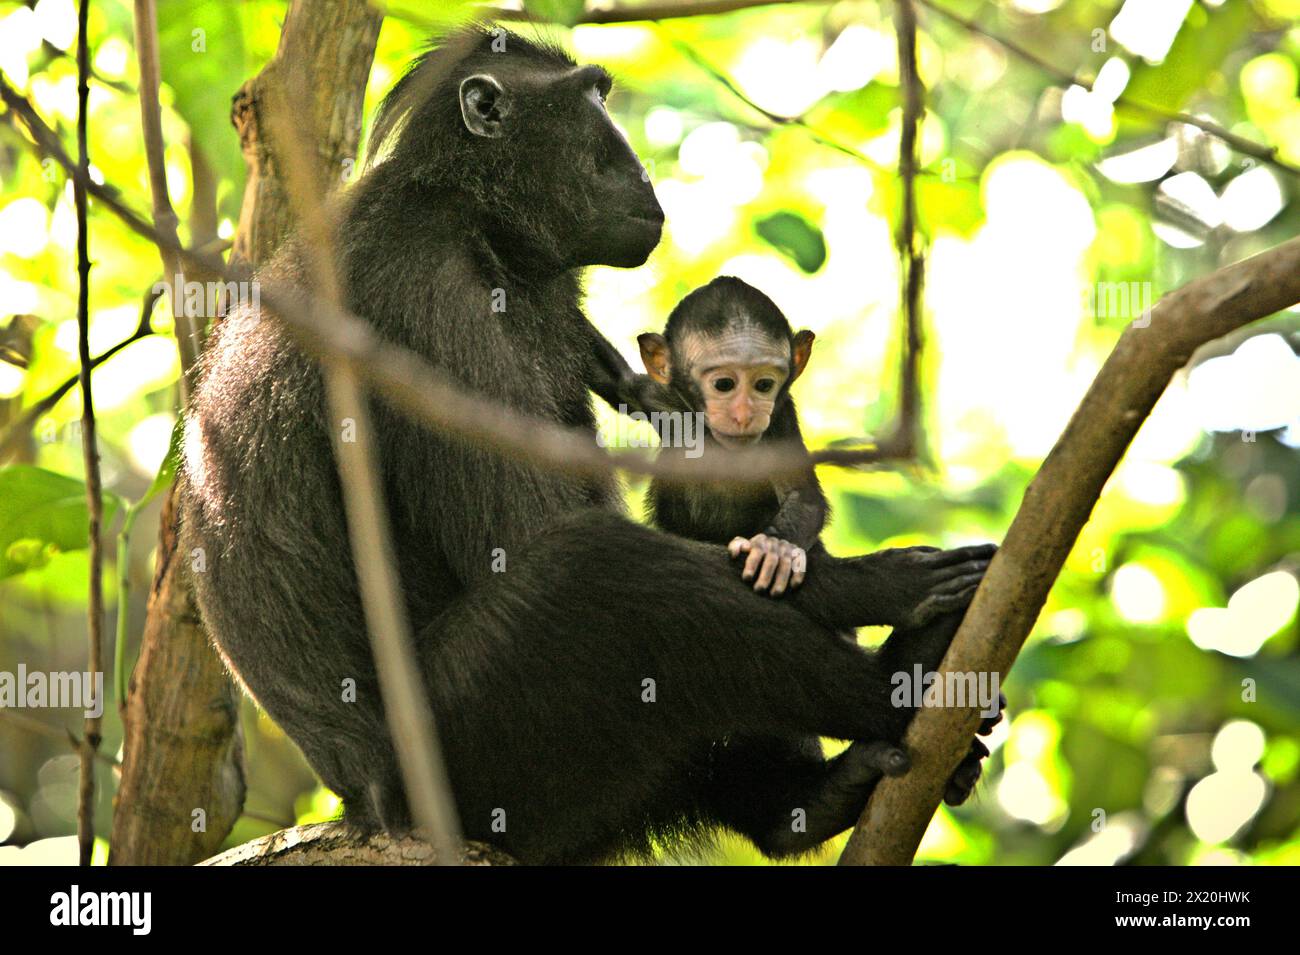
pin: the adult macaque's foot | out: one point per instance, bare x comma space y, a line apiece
962, 782
987, 724
963, 779
885, 758
839, 798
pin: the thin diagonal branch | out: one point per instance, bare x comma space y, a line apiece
775, 118
424, 392
1241, 144
188, 336
667, 11
15, 433
32, 725
910, 245
651, 11
89, 450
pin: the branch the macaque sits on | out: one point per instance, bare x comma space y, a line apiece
589, 676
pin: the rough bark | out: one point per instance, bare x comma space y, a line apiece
182, 749
1056, 506
324, 56
334, 843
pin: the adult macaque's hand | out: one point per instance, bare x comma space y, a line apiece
919, 584
773, 564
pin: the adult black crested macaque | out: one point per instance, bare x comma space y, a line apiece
584, 695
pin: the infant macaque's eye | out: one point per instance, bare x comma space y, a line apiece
724, 384
764, 385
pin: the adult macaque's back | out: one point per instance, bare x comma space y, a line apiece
504, 178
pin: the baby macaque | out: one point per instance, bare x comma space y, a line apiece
729, 354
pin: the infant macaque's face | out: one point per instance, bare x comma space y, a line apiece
738, 376
734, 376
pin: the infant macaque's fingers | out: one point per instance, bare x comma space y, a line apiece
737, 546
781, 580
799, 567
771, 561
757, 553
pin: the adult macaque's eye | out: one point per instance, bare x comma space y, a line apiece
724, 384
763, 386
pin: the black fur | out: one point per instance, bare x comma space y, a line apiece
535, 674
794, 510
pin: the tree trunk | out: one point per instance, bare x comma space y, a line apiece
182, 748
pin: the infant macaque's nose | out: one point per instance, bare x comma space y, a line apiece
742, 413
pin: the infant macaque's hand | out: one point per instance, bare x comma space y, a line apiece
777, 563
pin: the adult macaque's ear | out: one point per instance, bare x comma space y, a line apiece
802, 349
483, 105
654, 352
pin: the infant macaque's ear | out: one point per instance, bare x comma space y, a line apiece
655, 354
802, 349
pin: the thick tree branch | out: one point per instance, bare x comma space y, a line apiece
335, 843
1055, 508
325, 51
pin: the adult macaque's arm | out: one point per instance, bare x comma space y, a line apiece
624, 390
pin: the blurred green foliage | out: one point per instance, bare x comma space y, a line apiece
1155, 713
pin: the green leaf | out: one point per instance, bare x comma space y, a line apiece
858, 115
795, 237
1070, 141
42, 514
167, 470
201, 51
565, 12
954, 205
1203, 43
